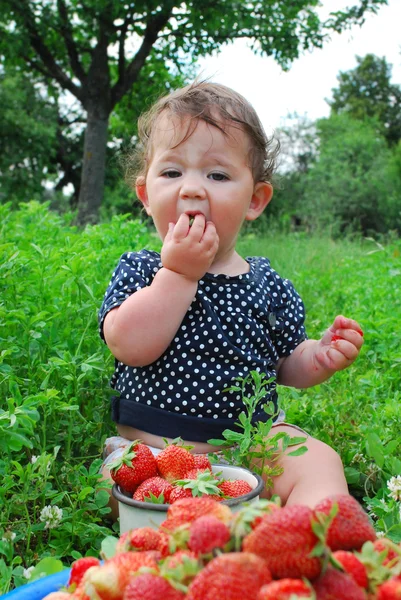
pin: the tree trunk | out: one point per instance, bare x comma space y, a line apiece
93, 168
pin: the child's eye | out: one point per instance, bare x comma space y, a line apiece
216, 176
171, 174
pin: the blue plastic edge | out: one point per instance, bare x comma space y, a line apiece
37, 590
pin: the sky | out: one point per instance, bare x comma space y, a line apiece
311, 78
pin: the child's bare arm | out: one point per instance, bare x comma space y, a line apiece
314, 361
141, 329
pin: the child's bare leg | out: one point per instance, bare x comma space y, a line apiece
308, 478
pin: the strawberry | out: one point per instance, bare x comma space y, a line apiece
178, 558
390, 590
393, 552
284, 538
79, 568
353, 566
248, 517
174, 461
193, 473
351, 526
109, 581
334, 585
207, 533
232, 576
335, 338
285, 589
151, 586
201, 483
189, 509
235, 488
155, 489
136, 464
201, 461
179, 492
140, 539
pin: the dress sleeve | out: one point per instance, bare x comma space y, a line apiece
134, 272
287, 319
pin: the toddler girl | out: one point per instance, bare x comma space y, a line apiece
185, 323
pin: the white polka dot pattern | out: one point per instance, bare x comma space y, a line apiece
234, 325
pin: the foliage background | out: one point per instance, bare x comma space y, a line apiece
54, 371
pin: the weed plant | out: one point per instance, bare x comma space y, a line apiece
55, 371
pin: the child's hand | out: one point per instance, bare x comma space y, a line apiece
340, 345
190, 250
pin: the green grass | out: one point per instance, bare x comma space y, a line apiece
54, 372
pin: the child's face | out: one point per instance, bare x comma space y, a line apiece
208, 173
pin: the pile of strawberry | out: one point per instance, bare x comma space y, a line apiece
204, 551
173, 474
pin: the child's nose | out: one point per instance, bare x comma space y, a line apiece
192, 187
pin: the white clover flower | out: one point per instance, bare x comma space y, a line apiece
380, 534
9, 536
51, 516
394, 485
34, 459
27, 573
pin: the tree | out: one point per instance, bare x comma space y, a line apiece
353, 185
28, 130
95, 51
366, 92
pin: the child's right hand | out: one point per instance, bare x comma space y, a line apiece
187, 250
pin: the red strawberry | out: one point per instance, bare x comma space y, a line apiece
193, 473
189, 509
153, 489
174, 461
284, 538
232, 576
393, 551
207, 533
353, 566
136, 464
79, 568
351, 527
390, 590
235, 488
179, 492
334, 585
150, 586
285, 589
201, 483
202, 462
140, 539
109, 581
335, 338
178, 558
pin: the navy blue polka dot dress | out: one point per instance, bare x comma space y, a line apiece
234, 325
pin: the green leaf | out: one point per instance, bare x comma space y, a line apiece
299, 451
374, 448
46, 566
102, 498
395, 534
352, 475
108, 547
85, 492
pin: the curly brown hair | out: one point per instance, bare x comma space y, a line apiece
217, 105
